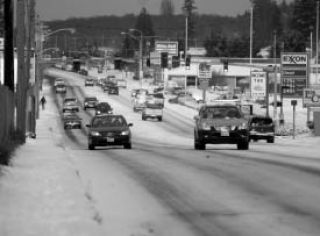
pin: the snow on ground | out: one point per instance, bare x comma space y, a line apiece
40, 192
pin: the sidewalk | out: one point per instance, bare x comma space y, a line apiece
41, 192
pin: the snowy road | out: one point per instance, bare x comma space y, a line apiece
165, 187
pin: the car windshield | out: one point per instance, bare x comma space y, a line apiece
70, 100
221, 113
103, 107
109, 121
91, 99
261, 121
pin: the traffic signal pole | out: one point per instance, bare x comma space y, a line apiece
8, 45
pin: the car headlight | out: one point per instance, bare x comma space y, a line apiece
126, 132
243, 126
95, 133
85, 103
98, 112
205, 126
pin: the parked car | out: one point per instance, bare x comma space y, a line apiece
261, 127
221, 124
107, 130
71, 121
71, 105
90, 102
103, 108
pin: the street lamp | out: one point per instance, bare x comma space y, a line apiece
71, 30
140, 50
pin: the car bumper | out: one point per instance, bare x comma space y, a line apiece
105, 141
216, 137
72, 125
261, 135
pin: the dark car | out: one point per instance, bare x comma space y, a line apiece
71, 121
221, 124
103, 108
113, 89
90, 102
261, 127
83, 72
107, 130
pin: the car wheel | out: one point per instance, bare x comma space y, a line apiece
91, 147
143, 118
270, 140
160, 118
84, 108
199, 145
243, 145
127, 146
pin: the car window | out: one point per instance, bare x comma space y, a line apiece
221, 113
109, 121
261, 121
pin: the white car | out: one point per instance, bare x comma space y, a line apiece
70, 104
61, 88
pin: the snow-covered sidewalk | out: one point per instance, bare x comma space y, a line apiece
41, 192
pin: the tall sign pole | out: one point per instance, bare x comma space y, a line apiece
8, 45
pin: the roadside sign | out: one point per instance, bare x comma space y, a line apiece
311, 97
204, 71
203, 84
294, 68
171, 47
258, 82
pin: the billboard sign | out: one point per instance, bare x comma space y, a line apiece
311, 97
258, 84
294, 72
171, 47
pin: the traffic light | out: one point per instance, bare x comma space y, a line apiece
188, 60
164, 60
225, 65
117, 64
148, 62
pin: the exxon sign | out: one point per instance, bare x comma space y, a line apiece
294, 59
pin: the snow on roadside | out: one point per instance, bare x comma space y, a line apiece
40, 192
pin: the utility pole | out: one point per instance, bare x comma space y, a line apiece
8, 45
317, 40
275, 78
251, 34
21, 85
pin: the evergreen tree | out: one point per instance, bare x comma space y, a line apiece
167, 8
266, 20
145, 26
304, 16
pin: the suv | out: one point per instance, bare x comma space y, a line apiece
221, 124
90, 102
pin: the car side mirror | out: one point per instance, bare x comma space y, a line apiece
88, 125
130, 124
196, 117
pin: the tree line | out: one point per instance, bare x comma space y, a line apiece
222, 36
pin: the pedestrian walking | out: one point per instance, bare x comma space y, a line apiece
43, 102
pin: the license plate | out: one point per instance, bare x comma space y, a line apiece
110, 140
224, 132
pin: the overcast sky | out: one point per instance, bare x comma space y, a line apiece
62, 9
